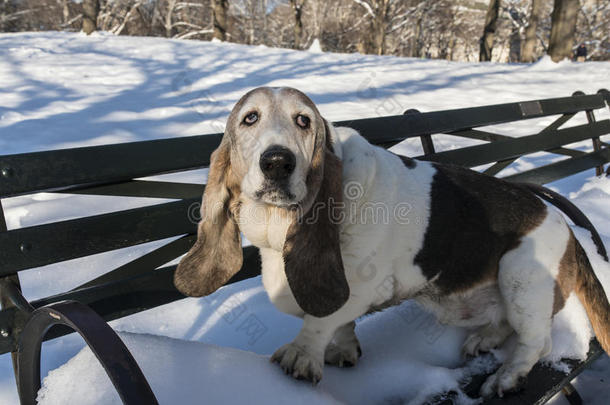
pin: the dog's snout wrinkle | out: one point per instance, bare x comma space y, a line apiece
277, 163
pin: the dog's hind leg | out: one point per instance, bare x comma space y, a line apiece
526, 279
344, 350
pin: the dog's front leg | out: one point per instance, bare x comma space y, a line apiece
303, 358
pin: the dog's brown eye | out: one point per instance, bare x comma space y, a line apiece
251, 118
302, 121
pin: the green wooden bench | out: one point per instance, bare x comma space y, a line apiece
144, 283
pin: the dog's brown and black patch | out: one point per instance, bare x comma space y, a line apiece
474, 220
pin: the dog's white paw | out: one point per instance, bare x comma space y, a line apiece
505, 380
343, 356
298, 363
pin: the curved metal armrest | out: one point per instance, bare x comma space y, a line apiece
111, 352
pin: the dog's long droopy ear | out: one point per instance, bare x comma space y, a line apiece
312, 254
217, 254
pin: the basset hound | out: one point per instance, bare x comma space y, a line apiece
345, 228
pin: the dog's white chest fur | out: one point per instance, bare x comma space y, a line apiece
266, 226
276, 283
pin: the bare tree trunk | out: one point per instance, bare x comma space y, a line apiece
252, 13
373, 41
219, 11
416, 39
379, 26
297, 11
487, 40
65, 11
563, 27
171, 4
514, 54
529, 46
451, 48
265, 26
417, 49
91, 8
316, 20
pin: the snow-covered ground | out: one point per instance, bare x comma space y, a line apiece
61, 90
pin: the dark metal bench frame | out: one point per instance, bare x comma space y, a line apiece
143, 283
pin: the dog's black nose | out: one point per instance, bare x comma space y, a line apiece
277, 163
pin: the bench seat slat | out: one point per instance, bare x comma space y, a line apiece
36, 246
541, 384
511, 148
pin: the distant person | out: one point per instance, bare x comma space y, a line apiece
581, 53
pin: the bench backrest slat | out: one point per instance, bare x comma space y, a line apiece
399, 127
558, 170
40, 171
127, 296
44, 244
146, 262
510, 148
143, 188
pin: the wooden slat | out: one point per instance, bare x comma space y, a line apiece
558, 170
499, 166
142, 188
491, 137
480, 135
541, 384
53, 170
567, 152
392, 128
40, 171
557, 123
511, 148
128, 296
143, 264
50, 243
427, 144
